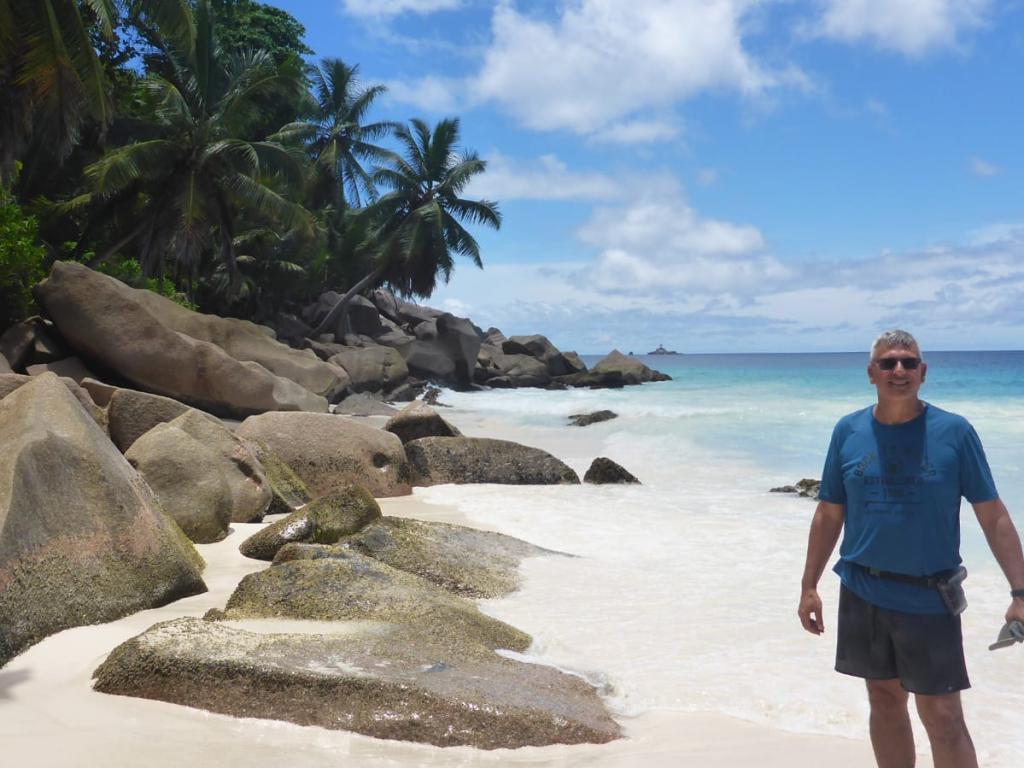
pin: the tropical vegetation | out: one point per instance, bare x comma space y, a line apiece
195, 147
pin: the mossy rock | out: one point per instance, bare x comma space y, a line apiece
386, 681
287, 489
355, 587
324, 521
466, 561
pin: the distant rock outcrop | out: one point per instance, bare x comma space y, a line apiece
808, 488
631, 369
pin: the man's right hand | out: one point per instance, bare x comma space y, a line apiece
810, 612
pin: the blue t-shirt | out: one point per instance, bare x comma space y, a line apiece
901, 485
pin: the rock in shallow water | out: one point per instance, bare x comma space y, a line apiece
604, 471
594, 417
438, 460
385, 681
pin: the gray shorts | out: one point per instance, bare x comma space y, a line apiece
925, 651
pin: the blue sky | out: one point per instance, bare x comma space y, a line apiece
722, 175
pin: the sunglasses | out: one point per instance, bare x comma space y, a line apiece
908, 363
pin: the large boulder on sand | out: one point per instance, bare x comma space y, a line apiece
418, 420
437, 460
106, 321
340, 513
248, 342
82, 538
131, 414
287, 490
372, 368
187, 479
328, 451
466, 561
12, 381
386, 681
5, 367
204, 476
631, 369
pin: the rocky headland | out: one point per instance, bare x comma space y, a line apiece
133, 428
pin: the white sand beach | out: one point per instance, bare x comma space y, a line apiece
50, 716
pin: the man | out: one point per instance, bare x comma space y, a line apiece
892, 482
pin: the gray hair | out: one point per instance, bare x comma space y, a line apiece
892, 340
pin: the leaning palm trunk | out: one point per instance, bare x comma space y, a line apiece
340, 309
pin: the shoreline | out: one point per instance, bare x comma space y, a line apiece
48, 689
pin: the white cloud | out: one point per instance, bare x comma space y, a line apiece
983, 168
643, 293
386, 8
430, 93
546, 178
707, 177
910, 27
638, 132
602, 65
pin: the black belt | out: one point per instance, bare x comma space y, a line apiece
928, 582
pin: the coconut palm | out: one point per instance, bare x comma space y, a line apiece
337, 138
51, 80
419, 229
189, 183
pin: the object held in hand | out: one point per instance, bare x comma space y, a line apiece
1010, 634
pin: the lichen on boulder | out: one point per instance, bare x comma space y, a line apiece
466, 561
340, 513
82, 538
356, 587
386, 681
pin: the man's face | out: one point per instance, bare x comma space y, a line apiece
900, 382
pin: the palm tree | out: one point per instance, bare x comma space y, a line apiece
337, 139
51, 80
189, 184
419, 222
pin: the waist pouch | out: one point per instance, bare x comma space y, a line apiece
949, 585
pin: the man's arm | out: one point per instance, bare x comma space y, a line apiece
825, 529
1004, 541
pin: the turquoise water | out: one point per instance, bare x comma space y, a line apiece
777, 410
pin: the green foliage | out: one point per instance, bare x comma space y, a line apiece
21, 261
247, 25
129, 272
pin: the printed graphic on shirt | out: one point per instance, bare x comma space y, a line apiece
895, 479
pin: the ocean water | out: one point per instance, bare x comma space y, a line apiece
682, 592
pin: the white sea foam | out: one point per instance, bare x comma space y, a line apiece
683, 592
